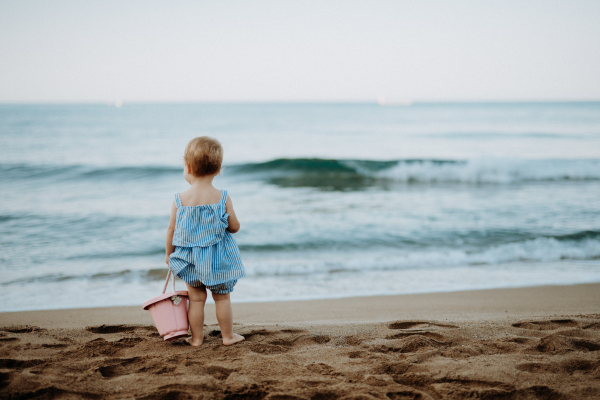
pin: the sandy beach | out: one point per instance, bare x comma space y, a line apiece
526, 343
429, 170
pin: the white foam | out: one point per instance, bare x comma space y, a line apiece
493, 170
317, 286
306, 263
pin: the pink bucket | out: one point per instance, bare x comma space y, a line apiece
169, 313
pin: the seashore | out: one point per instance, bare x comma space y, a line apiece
521, 343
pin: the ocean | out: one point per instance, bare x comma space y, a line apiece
335, 200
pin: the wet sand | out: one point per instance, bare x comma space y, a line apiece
529, 343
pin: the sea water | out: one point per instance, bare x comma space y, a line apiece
335, 200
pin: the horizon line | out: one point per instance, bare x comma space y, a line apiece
392, 103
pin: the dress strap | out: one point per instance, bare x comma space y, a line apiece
177, 200
223, 196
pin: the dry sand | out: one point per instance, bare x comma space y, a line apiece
531, 343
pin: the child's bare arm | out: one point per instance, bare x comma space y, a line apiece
170, 230
234, 223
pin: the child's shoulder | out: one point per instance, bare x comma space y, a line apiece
200, 197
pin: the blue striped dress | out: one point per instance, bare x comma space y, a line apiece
205, 253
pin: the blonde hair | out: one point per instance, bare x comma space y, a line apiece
204, 156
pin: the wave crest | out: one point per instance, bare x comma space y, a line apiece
339, 172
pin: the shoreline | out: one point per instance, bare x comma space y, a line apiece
461, 305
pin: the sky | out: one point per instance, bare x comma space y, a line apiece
289, 50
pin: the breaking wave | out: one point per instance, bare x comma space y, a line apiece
303, 171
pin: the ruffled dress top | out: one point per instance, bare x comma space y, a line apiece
205, 253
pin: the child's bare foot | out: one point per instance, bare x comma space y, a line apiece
194, 343
234, 339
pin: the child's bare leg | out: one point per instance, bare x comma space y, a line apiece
197, 296
225, 318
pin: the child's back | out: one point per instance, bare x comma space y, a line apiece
192, 197
206, 253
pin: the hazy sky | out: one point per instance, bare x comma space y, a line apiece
287, 50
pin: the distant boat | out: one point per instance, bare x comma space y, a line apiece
117, 103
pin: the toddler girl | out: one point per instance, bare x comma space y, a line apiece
200, 248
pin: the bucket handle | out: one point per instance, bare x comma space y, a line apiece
167, 282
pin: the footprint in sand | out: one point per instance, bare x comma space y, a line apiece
22, 329
259, 332
430, 335
547, 325
282, 342
518, 340
411, 344
539, 367
578, 364
557, 344
105, 329
392, 369
420, 343
411, 324
292, 331
268, 349
220, 373
112, 371
321, 339
118, 366
357, 354
54, 345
